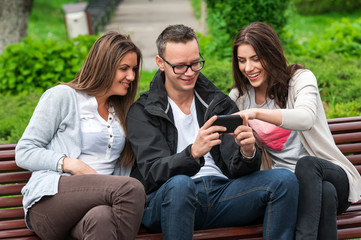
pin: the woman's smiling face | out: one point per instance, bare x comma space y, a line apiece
250, 66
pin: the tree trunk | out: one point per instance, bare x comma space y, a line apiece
14, 15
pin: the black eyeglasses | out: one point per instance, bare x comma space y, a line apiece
180, 69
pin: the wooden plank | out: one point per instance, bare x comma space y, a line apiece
11, 189
14, 213
12, 224
16, 233
14, 177
344, 120
7, 155
347, 137
10, 146
349, 233
8, 165
350, 148
345, 127
8, 202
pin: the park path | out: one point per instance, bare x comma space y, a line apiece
144, 20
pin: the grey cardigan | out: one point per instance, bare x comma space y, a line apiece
306, 115
53, 132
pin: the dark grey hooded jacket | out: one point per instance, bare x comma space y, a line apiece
153, 136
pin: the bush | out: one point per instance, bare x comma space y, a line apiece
338, 83
225, 19
343, 38
219, 72
15, 113
37, 65
307, 7
349, 109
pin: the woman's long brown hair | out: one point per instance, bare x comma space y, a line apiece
268, 48
97, 75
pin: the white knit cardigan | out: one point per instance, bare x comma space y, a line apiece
305, 114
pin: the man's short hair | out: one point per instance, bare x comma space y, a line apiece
175, 33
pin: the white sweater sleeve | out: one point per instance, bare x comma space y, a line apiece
302, 102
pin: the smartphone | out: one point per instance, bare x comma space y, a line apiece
231, 122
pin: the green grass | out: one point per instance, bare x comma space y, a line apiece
307, 27
47, 19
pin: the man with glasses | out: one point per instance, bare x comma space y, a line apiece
195, 176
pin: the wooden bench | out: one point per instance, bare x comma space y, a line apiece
346, 133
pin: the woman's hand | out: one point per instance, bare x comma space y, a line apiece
273, 116
77, 167
248, 114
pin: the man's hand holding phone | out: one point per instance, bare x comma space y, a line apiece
207, 137
242, 133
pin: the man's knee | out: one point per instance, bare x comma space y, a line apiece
285, 181
180, 185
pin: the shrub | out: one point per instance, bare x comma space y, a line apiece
37, 65
219, 72
338, 77
343, 38
15, 113
348, 109
225, 19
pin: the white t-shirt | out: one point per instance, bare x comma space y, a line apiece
188, 127
283, 146
102, 141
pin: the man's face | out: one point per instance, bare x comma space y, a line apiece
179, 54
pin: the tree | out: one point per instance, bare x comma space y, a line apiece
14, 16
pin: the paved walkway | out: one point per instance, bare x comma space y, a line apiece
144, 20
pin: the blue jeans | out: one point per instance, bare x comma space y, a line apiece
324, 191
183, 204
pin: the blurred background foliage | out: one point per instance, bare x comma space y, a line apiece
326, 40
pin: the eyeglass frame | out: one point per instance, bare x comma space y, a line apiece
187, 65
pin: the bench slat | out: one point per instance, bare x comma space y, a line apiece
350, 148
14, 201
349, 221
14, 177
349, 233
16, 233
10, 146
12, 224
344, 120
345, 127
11, 189
12, 213
7, 155
8, 165
347, 137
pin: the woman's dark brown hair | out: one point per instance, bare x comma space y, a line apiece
98, 72
268, 48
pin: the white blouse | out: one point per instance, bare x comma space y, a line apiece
102, 141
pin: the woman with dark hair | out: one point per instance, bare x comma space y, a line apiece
76, 143
282, 105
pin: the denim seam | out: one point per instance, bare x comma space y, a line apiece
246, 192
